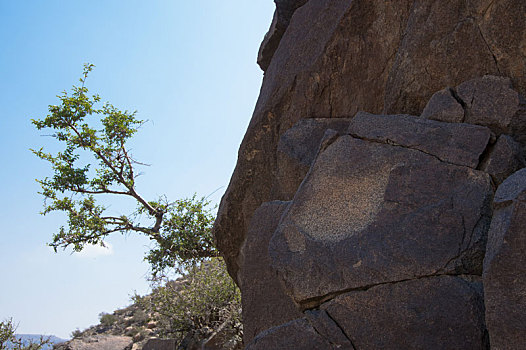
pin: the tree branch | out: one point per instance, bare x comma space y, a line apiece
130, 187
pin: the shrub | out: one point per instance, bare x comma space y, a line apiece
76, 333
107, 319
202, 304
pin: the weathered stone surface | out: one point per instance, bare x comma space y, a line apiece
339, 57
297, 149
446, 43
297, 334
492, 102
460, 144
280, 21
328, 329
443, 106
160, 344
439, 313
98, 342
503, 28
504, 158
329, 63
370, 213
511, 188
265, 305
505, 266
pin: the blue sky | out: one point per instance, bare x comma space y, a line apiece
189, 67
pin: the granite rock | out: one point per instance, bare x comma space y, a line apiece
339, 57
444, 106
460, 144
442, 312
370, 213
503, 159
505, 266
297, 334
297, 149
265, 305
491, 101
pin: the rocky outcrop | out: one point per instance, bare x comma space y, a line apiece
336, 58
380, 136
98, 342
387, 230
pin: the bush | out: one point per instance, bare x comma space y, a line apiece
202, 304
76, 333
107, 319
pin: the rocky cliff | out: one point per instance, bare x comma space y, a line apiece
378, 201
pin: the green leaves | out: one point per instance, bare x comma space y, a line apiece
95, 161
203, 302
185, 237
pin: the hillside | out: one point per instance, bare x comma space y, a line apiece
200, 310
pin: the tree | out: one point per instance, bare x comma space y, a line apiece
8, 340
180, 229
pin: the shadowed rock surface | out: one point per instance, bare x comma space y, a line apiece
439, 313
296, 334
505, 266
264, 303
503, 159
284, 11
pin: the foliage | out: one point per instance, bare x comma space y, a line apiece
76, 333
8, 340
107, 319
180, 229
202, 304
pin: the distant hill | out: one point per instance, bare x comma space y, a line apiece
36, 337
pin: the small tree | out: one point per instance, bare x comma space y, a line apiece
181, 229
8, 339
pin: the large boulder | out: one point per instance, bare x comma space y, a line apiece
336, 58
370, 212
505, 266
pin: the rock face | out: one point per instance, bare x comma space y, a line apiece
505, 266
379, 138
265, 305
339, 57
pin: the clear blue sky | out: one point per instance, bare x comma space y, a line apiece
187, 66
